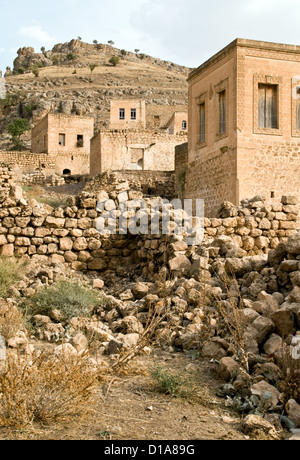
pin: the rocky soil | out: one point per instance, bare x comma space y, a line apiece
237, 313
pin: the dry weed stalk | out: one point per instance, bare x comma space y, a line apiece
155, 317
232, 314
290, 367
11, 321
45, 389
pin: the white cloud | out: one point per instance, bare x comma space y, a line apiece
2, 50
36, 33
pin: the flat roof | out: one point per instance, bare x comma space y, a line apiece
245, 43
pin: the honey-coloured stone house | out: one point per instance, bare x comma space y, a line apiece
244, 124
66, 141
129, 145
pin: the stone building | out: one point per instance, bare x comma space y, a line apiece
244, 124
127, 114
130, 145
65, 139
133, 150
178, 123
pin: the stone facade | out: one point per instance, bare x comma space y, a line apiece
133, 150
127, 114
244, 124
65, 140
178, 123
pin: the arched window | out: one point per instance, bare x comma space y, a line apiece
66, 172
184, 125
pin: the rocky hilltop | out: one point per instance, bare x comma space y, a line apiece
77, 78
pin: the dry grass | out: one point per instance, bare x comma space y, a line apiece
11, 321
10, 272
45, 389
231, 312
290, 367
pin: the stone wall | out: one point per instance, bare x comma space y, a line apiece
28, 161
155, 183
131, 150
69, 234
181, 169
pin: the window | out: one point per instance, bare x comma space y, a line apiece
184, 125
62, 139
122, 114
133, 114
267, 106
156, 121
202, 122
298, 109
222, 112
79, 140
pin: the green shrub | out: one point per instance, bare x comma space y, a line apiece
10, 272
114, 60
69, 297
16, 129
71, 57
166, 382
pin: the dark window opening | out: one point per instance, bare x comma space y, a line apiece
267, 106
184, 125
202, 122
222, 112
272, 194
133, 114
79, 140
66, 172
122, 114
156, 121
62, 139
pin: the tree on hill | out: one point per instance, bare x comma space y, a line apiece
92, 67
95, 42
110, 42
18, 127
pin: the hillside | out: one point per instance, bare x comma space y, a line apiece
61, 80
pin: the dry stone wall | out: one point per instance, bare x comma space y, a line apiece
156, 183
69, 234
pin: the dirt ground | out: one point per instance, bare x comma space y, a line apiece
130, 408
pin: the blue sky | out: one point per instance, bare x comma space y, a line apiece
186, 32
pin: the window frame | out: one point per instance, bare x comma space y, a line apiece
133, 118
64, 139
201, 100
121, 111
295, 85
220, 88
267, 80
80, 141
